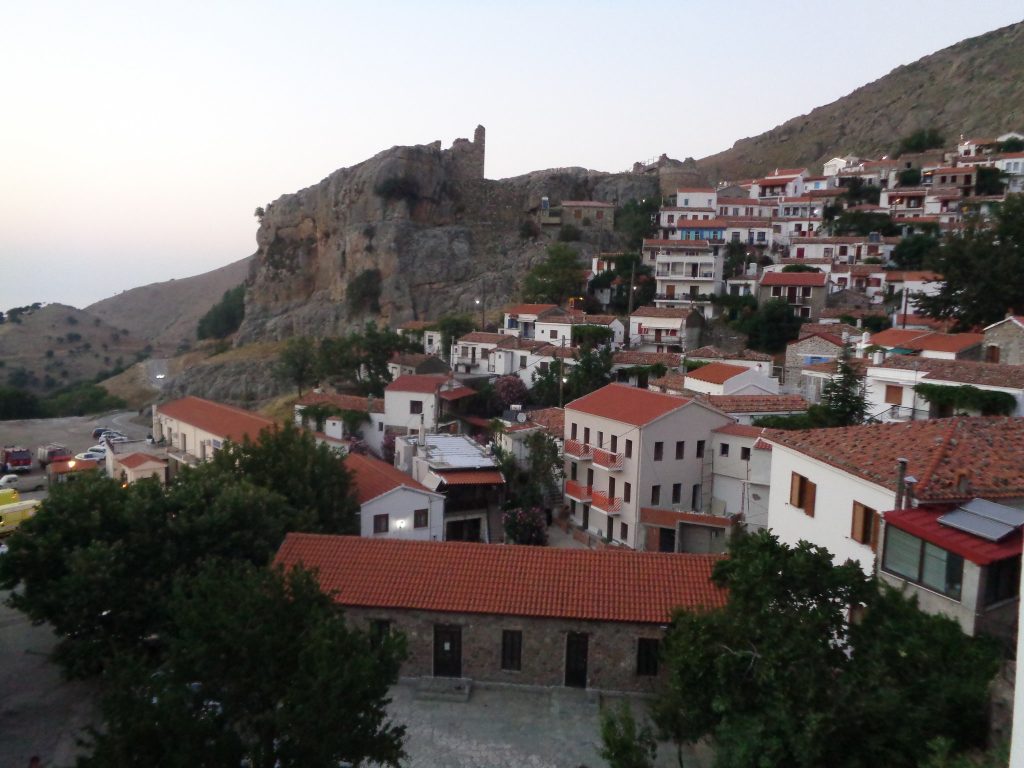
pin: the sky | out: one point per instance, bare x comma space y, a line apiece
137, 138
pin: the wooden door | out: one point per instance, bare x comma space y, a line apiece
576, 660
447, 651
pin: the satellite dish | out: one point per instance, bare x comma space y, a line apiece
521, 417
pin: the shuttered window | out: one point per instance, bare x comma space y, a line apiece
802, 493
865, 524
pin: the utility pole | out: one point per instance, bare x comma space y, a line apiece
629, 311
561, 378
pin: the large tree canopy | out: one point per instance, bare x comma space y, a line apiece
782, 676
555, 279
983, 270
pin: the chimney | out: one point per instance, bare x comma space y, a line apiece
963, 482
878, 357
908, 483
901, 474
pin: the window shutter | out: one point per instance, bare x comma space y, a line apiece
794, 490
857, 528
809, 492
876, 523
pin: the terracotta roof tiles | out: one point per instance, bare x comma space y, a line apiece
629, 405
959, 371
373, 477
714, 353
717, 373
734, 404
814, 279
136, 460
543, 582
344, 402
224, 421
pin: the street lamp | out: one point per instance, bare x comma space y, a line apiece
482, 306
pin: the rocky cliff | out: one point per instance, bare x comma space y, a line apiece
412, 233
975, 87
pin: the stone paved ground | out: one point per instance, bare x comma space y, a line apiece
509, 728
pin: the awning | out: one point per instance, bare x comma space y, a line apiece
457, 394
471, 477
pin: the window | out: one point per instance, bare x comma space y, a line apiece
553, 334
615, 444
864, 528
600, 439
577, 214
420, 518
700, 449
600, 214
416, 406
623, 531
659, 449
695, 497
586, 435
723, 449
677, 493
380, 523
572, 433
629, 449
1002, 580
655, 494
572, 470
921, 562
512, 650
627, 492
522, 361
801, 493
380, 426
893, 394
776, 290
647, 657
744, 454
680, 449
379, 630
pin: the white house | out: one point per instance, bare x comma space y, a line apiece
417, 404
392, 504
335, 433
520, 319
628, 449
726, 379
665, 329
747, 358
831, 485
741, 465
426, 331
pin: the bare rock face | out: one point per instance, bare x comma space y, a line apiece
412, 233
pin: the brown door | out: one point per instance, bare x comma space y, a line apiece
670, 291
576, 660
447, 651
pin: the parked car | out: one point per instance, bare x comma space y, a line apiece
91, 456
98, 432
98, 448
24, 482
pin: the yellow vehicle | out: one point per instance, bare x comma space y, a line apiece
13, 515
9, 496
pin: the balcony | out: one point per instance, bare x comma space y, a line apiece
662, 338
608, 460
578, 450
610, 505
577, 491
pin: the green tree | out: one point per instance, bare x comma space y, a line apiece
771, 326
301, 688
624, 743
983, 270
857, 192
626, 268
909, 177
18, 404
800, 268
843, 395
298, 362
362, 357
224, 317
989, 181
916, 251
921, 141
782, 676
525, 525
453, 327
1013, 144
636, 220
863, 223
556, 278
510, 390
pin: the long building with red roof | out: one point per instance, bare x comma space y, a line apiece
513, 614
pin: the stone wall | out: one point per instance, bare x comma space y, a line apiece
1009, 337
795, 353
612, 650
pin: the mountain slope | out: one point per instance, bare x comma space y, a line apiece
166, 314
975, 87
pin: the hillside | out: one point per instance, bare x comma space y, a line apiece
58, 345
975, 87
165, 314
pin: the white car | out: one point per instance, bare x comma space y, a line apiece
98, 448
91, 456
23, 482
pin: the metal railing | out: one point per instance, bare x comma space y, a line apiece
578, 450
611, 505
607, 459
578, 491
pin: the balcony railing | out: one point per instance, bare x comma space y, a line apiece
578, 450
663, 338
578, 491
608, 460
611, 505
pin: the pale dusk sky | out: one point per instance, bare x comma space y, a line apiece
136, 139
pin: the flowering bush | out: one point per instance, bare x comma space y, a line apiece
525, 526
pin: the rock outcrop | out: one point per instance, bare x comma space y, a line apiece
413, 233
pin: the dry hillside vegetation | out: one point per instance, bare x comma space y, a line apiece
59, 345
975, 87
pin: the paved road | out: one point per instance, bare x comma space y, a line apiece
156, 372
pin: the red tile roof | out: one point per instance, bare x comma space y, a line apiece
923, 522
896, 337
672, 381
756, 403
680, 312
633, 357
695, 189
740, 430
344, 402
833, 329
959, 371
919, 275
716, 373
224, 421
71, 465
714, 353
945, 342
627, 404
669, 517
586, 204
544, 582
471, 476
136, 460
425, 383
815, 279
552, 420
374, 477
989, 449
529, 309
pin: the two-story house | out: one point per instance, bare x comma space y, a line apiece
338, 430
628, 448
805, 292
393, 505
1004, 341
665, 329
418, 404
520, 319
